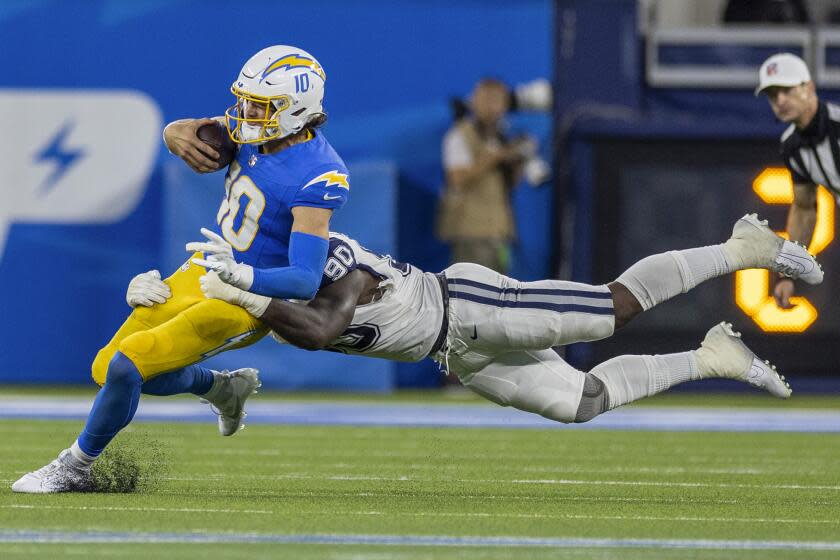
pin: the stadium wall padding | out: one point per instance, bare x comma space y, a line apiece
90, 197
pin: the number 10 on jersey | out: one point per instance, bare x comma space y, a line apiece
233, 212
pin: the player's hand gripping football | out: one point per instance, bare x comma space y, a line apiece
147, 289
218, 257
180, 137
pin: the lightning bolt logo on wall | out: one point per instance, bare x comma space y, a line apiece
60, 155
72, 165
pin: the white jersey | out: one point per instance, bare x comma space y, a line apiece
404, 322
494, 332
466, 317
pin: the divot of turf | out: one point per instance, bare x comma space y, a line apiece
136, 465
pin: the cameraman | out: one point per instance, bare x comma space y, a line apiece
481, 168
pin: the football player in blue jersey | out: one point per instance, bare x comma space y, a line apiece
270, 237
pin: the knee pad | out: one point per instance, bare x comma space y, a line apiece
99, 368
141, 345
593, 401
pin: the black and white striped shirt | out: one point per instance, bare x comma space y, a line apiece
813, 154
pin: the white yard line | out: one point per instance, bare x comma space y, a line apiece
593, 482
592, 517
678, 484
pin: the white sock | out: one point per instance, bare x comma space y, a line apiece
630, 378
214, 388
660, 277
82, 458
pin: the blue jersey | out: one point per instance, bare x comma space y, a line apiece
261, 189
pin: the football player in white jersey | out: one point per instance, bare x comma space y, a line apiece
496, 333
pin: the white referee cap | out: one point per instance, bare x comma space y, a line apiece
783, 69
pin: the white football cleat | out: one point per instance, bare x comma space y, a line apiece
61, 475
723, 354
228, 395
754, 245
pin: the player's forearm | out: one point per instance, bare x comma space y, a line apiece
317, 324
290, 282
801, 222
304, 326
167, 132
299, 280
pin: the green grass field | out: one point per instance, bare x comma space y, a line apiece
323, 481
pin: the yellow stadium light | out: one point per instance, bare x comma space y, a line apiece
824, 228
751, 287
775, 186
772, 318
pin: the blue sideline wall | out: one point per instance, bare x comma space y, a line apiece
90, 197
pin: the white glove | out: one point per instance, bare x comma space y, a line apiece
147, 289
213, 287
218, 257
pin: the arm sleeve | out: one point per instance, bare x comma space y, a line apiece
299, 280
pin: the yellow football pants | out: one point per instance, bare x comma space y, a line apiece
186, 329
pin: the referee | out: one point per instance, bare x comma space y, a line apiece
810, 146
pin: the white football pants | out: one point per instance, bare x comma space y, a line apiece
501, 332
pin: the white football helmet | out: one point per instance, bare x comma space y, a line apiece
286, 84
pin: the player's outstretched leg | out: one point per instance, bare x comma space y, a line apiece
754, 245
722, 355
543, 383
660, 277
225, 391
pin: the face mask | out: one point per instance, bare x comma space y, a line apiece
249, 132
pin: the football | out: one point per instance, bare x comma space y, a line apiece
216, 136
